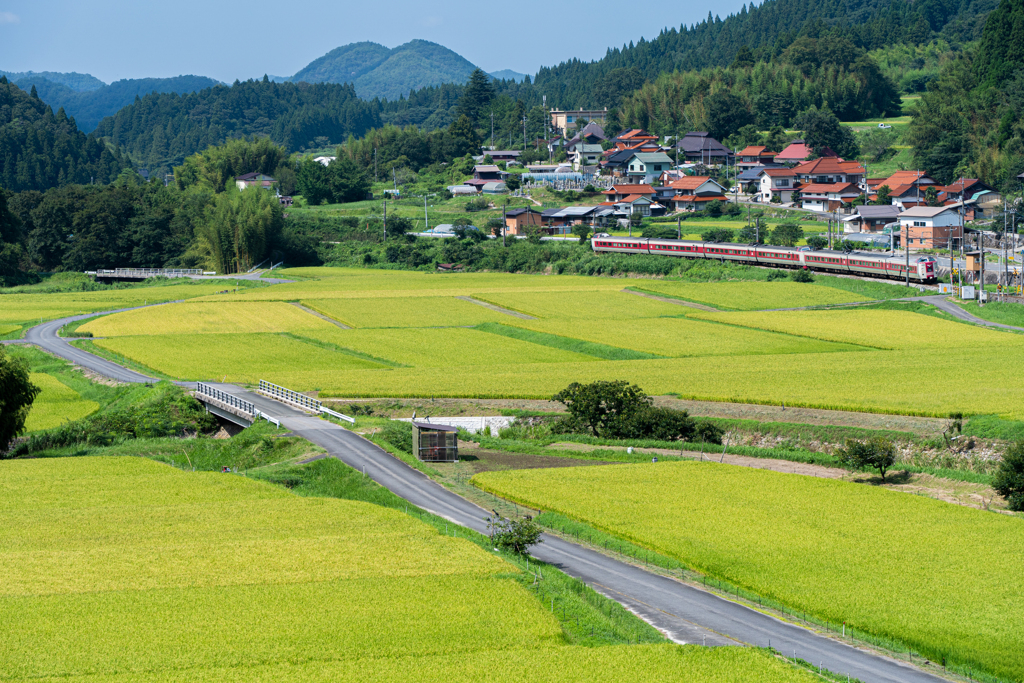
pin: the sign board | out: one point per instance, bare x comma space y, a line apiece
982, 295
945, 289
967, 292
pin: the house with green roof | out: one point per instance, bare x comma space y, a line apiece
647, 167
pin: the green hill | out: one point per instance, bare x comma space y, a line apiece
75, 81
377, 71
91, 106
40, 149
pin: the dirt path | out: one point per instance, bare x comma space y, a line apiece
320, 315
499, 309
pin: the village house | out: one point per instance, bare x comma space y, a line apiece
592, 134
776, 181
931, 227
907, 189
871, 218
826, 197
255, 180
830, 170
485, 174
799, 151
618, 193
700, 148
566, 121
586, 155
518, 219
646, 167
754, 156
505, 155
694, 192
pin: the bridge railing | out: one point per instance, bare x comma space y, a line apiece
149, 272
296, 399
226, 398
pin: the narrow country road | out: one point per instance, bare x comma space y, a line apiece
942, 303
686, 613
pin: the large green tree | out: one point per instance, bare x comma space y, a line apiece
16, 396
476, 97
822, 129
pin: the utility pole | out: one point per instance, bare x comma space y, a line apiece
374, 164
981, 252
426, 216
906, 250
385, 218
524, 132
492, 131
504, 219
394, 174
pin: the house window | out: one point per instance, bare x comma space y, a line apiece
919, 224
570, 119
784, 182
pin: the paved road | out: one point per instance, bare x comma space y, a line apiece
942, 303
686, 613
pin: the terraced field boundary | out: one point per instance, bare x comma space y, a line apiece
495, 307
603, 351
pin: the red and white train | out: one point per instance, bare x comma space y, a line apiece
922, 268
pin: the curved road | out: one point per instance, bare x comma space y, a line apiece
686, 613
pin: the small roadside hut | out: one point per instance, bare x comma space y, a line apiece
434, 442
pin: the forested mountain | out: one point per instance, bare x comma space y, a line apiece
377, 71
810, 73
160, 130
40, 149
74, 80
766, 30
89, 107
969, 122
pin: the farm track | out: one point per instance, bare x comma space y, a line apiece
669, 300
684, 612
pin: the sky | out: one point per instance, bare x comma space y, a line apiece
115, 39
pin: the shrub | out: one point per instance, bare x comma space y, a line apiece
801, 276
398, 434
717, 235
1009, 480
514, 535
817, 242
877, 453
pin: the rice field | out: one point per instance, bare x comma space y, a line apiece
125, 569
55, 404
236, 357
208, 318
883, 329
434, 311
751, 296
597, 305
682, 337
941, 578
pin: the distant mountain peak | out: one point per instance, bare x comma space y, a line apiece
379, 71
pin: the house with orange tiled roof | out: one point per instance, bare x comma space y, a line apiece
694, 192
618, 193
753, 156
906, 188
962, 189
830, 170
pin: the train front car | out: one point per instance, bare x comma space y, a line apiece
927, 269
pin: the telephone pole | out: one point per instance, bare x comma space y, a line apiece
906, 250
385, 218
426, 216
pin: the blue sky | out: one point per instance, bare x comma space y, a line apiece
114, 39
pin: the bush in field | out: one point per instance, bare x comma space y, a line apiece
817, 242
801, 276
16, 396
1009, 480
877, 453
514, 535
398, 434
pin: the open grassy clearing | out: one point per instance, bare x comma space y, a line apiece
682, 337
750, 296
207, 318
434, 311
842, 551
127, 569
55, 404
888, 329
1005, 313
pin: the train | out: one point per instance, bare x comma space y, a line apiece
922, 268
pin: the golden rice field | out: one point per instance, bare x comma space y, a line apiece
872, 360
434, 311
941, 578
680, 337
55, 404
599, 305
208, 318
751, 296
885, 329
125, 569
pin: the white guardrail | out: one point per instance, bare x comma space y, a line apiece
294, 398
228, 399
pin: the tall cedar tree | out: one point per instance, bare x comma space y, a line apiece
476, 97
16, 396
